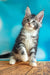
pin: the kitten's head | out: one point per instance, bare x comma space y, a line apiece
32, 22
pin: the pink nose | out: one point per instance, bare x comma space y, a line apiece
29, 23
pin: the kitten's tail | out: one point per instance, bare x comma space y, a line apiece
5, 55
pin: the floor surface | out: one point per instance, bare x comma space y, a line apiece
21, 68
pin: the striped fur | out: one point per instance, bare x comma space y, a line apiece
25, 47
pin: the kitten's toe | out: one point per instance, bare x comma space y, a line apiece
33, 64
12, 61
24, 58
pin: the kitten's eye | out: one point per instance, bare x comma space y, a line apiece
33, 21
28, 20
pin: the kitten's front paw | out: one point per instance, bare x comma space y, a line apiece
33, 64
12, 61
24, 58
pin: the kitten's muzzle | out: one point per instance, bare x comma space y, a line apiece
29, 24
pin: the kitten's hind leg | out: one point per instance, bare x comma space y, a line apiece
32, 58
12, 60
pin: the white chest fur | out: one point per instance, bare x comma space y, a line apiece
28, 41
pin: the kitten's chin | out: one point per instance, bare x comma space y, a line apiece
29, 28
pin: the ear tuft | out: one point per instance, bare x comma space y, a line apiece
40, 16
27, 12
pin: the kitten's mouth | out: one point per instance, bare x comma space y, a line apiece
29, 25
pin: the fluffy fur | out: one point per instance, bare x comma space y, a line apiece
25, 47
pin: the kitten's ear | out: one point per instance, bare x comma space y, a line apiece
39, 17
27, 12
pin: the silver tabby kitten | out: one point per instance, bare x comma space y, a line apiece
25, 47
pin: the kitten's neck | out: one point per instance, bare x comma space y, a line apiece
33, 32
28, 30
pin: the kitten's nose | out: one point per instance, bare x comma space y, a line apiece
29, 23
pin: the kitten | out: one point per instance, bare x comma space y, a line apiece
25, 48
